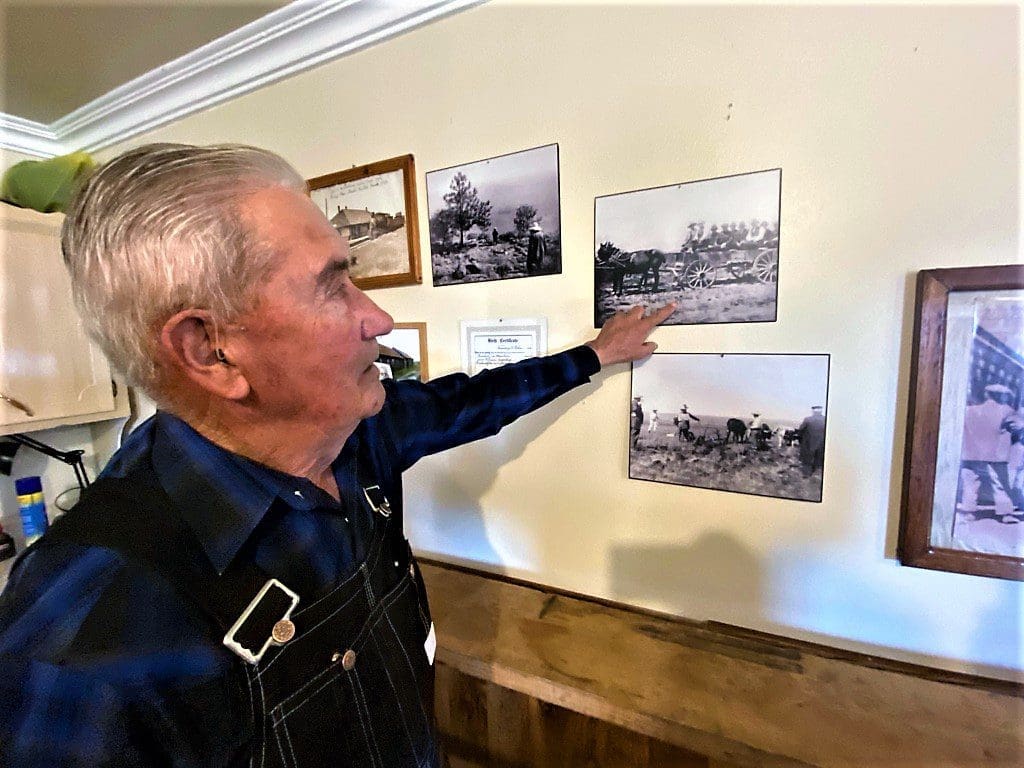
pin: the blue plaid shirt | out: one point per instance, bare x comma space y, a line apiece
102, 663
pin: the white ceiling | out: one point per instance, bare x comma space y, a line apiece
85, 74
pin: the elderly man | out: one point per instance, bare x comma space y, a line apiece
236, 589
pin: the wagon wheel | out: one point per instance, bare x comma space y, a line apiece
699, 274
765, 268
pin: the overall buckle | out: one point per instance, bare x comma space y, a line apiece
377, 500
267, 616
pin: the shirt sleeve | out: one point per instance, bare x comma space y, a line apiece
421, 419
59, 717
83, 684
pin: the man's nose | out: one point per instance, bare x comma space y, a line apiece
376, 322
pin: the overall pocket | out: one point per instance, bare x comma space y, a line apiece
326, 724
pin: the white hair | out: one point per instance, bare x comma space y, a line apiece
158, 230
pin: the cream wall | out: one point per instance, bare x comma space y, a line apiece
897, 129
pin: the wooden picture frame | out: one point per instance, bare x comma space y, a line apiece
374, 207
407, 341
958, 510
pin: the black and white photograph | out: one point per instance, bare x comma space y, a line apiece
496, 219
988, 426
710, 246
745, 423
374, 207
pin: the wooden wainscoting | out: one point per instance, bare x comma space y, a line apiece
529, 676
485, 725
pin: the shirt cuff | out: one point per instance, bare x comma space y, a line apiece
585, 359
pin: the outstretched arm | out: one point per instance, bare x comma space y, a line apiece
624, 337
420, 419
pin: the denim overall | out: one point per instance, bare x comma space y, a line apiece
353, 685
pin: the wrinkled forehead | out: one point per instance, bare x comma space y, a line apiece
299, 238
281, 216
269, 204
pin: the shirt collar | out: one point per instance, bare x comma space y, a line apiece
221, 496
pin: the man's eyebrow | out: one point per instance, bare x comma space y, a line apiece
331, 271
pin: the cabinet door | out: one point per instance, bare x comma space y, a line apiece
48, 363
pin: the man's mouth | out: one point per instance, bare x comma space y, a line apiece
376, 354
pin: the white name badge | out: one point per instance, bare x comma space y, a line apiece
430, 644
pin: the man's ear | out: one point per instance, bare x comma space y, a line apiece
189, 340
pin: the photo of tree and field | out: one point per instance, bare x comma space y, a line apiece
496, 219
743, 423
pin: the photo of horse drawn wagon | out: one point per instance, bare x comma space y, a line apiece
711, 247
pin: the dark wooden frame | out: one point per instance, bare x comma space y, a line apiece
406, 164
922, 446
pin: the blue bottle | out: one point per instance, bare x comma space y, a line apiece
32, 507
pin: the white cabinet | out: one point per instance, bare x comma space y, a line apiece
47, 363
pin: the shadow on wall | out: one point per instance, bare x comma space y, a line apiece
878, 613
443, 493
1003, 626
713, 576
899, 433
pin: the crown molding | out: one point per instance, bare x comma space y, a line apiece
28, 137
283, 43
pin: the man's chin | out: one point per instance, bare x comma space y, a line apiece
375, 401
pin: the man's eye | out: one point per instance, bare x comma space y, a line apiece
336, 287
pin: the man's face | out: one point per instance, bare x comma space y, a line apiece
310, 343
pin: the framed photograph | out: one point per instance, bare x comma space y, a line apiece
711, 246
403, 352
490, 343
374, 207
963, 481
750, 424
496, 219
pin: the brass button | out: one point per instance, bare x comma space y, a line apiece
412, 570
335, 656
283, 631
348, 661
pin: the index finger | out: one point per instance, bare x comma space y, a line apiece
660, 315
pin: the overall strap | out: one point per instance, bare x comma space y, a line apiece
137, 519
